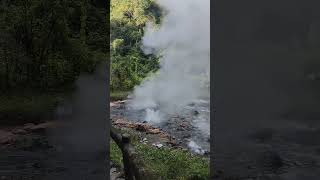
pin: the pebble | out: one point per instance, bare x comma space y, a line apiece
158, 145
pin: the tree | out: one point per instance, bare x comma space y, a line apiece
46, 44
129, 65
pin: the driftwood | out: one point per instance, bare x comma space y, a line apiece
148, 129
130, 159
138, 126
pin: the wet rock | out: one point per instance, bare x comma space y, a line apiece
7, 137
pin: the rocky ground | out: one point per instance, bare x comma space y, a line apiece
178, 131
175, 133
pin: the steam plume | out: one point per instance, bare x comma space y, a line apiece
183, 42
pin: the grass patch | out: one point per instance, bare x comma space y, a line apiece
115, 154
173, 164
167, 163
119, 95
15, 109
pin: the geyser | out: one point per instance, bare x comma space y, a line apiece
182, 42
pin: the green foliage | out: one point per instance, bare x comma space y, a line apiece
174, 164
46, 44
117, 44
131, 11
129, 65
116, 154
118, 95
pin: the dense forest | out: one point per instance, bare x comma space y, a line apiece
129, 65
44, 47
46, 44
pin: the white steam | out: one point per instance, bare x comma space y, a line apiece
194, 147
184, 42
153, 116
